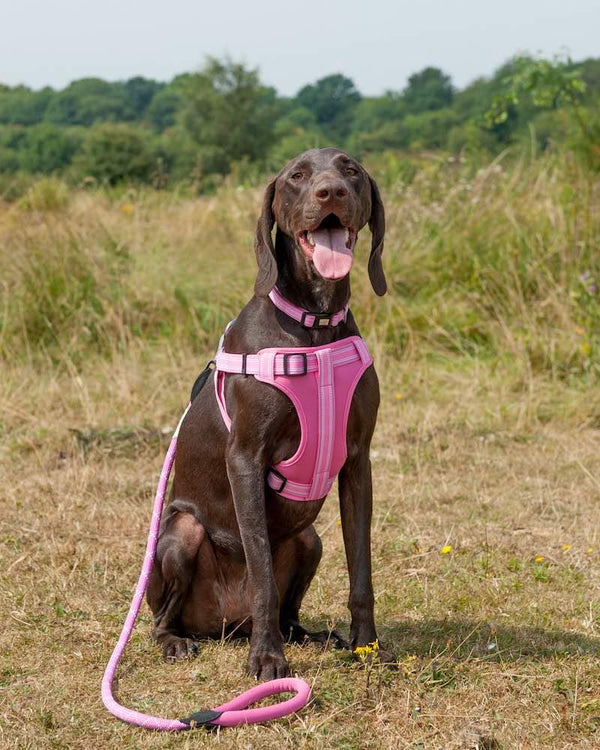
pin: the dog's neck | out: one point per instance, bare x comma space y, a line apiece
299, 283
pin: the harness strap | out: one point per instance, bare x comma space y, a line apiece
285, 363
305, 317
299, 490
326, 433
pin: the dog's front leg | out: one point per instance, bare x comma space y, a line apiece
356, 501
246, 472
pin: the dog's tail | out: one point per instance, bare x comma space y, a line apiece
229, 714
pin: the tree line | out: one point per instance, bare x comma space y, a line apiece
202, 125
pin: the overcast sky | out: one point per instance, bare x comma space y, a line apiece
378, 43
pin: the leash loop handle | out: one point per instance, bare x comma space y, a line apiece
236, 711
230, 714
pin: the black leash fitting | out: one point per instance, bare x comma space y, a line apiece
202, 719
202, 378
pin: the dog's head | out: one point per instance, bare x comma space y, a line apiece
321, 200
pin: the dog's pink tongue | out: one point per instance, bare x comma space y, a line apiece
332, 259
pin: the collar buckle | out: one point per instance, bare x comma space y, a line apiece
320, 320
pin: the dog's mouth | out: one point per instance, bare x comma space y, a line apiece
330, 246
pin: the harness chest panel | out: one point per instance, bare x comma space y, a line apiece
320, 382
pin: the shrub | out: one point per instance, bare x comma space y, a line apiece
113, 153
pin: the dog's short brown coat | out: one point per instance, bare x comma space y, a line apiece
230, 549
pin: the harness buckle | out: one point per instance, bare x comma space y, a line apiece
278, 476
321, 320
286, 363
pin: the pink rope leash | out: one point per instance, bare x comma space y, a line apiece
229, 714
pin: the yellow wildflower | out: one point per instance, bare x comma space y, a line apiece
127, 208
398, 396
370, 648
540, 558
567, 547
590, 550
446, 549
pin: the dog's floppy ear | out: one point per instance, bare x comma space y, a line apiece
263, 246
377, 227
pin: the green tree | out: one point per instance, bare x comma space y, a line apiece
373, 112
87, 101
162, 110
9, 161
428, 90
429, 130
293, 116
13, 137
590, 74
179, 155
115, 152
229, 114
139, 93
48, 148
548, 85
378, 124
22, 106
475, 99
296, 130
333, 101
388, 136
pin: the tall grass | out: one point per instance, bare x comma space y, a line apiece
498, 262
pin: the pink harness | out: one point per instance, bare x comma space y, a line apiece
320, 382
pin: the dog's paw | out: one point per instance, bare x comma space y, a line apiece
267, 663
175, 648
295, 633
387, 659
331, 638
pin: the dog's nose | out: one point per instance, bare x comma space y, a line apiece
330, 190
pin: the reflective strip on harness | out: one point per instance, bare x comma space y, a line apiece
326, 434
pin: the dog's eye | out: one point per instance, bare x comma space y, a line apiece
297, 175
351, 172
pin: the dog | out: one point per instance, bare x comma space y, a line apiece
234, 554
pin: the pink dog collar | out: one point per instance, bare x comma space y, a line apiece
305, 317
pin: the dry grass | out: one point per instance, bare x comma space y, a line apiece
487, 443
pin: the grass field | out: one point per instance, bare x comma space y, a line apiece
486, 461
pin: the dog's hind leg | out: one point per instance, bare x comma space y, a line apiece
295, 566
178, 547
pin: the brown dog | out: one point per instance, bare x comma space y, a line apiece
231, 550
